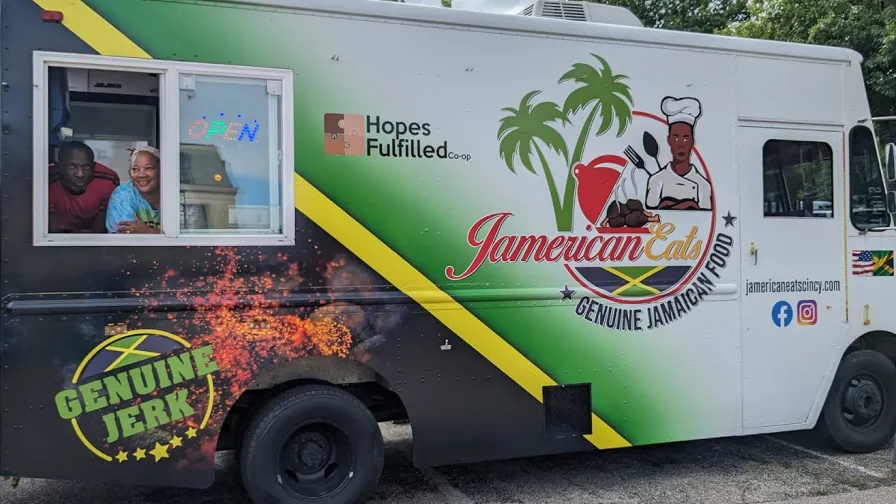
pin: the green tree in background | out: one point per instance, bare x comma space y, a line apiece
866, 26
446, 3
704, 16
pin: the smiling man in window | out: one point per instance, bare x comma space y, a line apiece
79, 191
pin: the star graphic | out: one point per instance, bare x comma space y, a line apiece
191, 433
121, 457
160, 451
139, 454
176, 441
729, 219
567, 293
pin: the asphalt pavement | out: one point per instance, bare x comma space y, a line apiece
791, 468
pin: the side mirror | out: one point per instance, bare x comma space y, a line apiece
890, 162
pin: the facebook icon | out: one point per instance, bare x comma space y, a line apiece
782, 314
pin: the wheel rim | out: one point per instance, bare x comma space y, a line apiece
315, 461
862, 401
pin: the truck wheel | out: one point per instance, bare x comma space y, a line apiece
314, 443
859, 414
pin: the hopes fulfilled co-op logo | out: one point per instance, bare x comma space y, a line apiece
365, 135
134, 385
635, 218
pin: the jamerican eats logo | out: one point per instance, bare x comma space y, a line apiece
374, 135
635, 215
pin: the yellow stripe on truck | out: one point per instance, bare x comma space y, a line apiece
107, 40
397, 271
95, 31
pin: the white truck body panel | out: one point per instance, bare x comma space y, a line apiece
762, 377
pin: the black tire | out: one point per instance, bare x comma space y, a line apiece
348, 460
859, 415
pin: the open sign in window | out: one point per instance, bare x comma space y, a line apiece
229, 147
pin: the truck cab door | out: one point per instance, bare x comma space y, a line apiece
793, 273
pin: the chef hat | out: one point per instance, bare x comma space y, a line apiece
686, 110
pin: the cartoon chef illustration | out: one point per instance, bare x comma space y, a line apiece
679, 185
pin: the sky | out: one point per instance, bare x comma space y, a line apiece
504, 6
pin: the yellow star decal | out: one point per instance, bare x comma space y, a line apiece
191, 433
121, 457
139, 454
160, 451
176, 441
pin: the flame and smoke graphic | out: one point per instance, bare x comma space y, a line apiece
238, 310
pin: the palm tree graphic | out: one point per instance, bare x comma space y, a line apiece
519, 131
602, 93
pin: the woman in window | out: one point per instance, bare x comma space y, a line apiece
134, 205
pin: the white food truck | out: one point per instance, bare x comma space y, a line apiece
525, 234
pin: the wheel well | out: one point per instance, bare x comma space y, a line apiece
354, 377
880, 341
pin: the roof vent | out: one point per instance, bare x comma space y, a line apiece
577, 10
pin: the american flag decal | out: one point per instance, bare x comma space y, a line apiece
872, 262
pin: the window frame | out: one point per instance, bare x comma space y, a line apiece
169, 72
780, 174
889, 177
882, 169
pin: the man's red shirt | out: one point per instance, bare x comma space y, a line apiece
77, 212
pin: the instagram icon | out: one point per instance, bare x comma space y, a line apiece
806, 312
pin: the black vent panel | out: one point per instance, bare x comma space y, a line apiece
567, 409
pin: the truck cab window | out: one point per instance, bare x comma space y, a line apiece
798, 179
867, 193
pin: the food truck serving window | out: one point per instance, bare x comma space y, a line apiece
153, 152
867, 193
